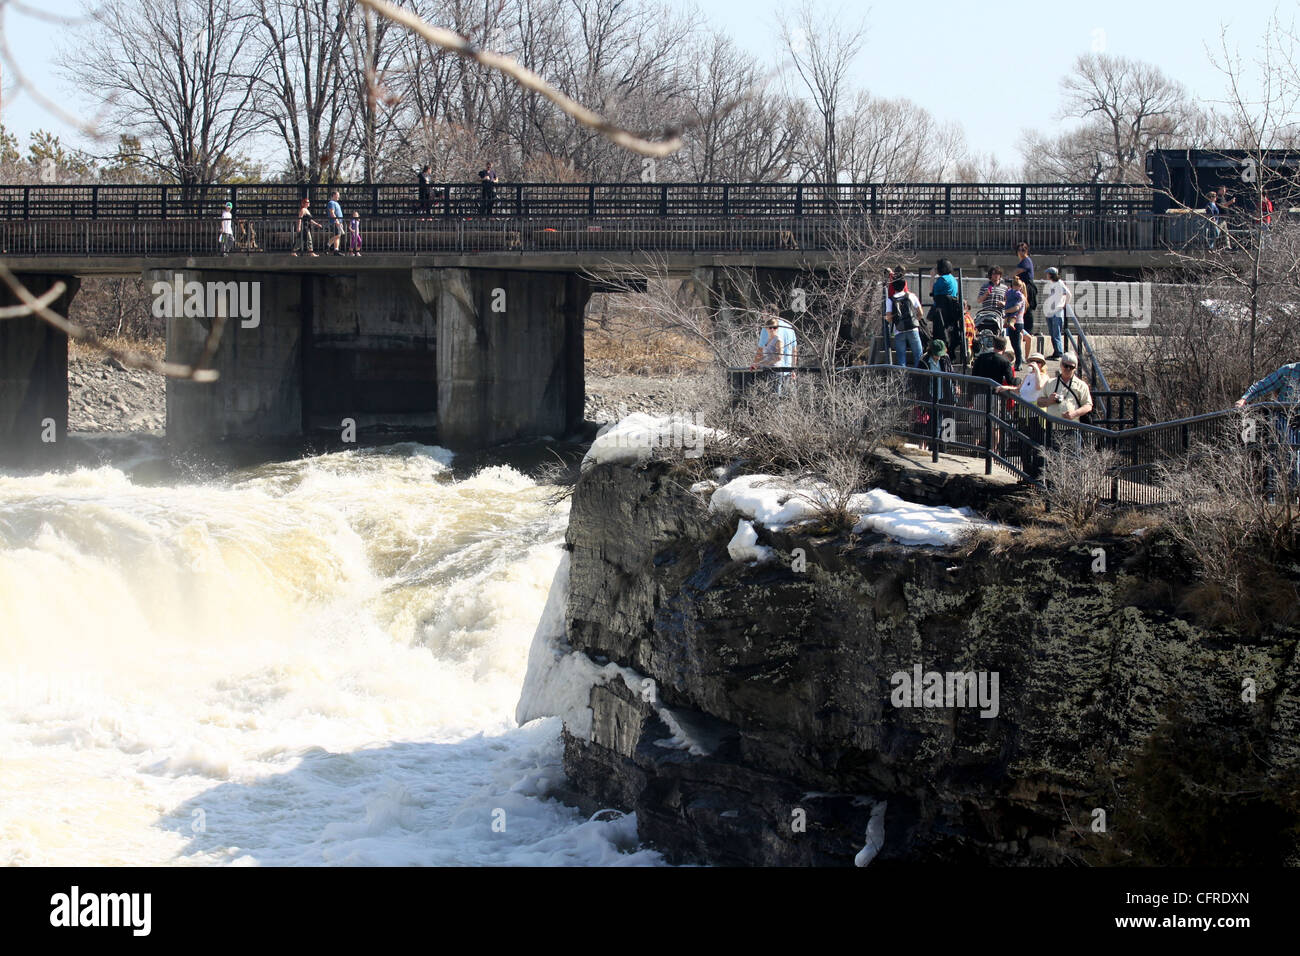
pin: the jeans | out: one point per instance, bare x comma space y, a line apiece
904, 341
1055, 322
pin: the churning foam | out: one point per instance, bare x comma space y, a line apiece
306, 663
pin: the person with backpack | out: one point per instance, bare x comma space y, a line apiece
903, 308
947, 303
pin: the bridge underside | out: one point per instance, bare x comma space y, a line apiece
482, 356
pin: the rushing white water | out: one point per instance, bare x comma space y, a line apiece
306, 663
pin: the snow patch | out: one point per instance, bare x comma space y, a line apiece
778, 503
875, 835
744, 545
634, 438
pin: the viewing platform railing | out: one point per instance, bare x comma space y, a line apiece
964, 415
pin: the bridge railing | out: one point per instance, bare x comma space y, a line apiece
557, 233
527, 200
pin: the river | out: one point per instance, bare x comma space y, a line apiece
313, 661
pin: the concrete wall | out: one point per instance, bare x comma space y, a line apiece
34, 379
510, 353
489, 356
259, 392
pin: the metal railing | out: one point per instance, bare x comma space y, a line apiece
536, 234
964, 415
1075, 201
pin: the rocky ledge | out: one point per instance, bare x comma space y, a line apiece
754, 714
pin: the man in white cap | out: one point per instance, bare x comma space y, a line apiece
1058, 297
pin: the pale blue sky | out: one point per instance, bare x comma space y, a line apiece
965, 63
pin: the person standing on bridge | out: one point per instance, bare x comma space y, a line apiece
302, 240
488, 179
226, 238
426, 183
336, 223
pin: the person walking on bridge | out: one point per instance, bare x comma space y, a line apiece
336, 223
302, 239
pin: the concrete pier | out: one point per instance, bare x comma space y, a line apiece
483, 355
34, 378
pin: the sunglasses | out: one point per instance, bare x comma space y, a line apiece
1069, 366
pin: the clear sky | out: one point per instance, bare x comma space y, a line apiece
993, 70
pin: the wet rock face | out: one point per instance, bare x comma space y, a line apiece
790, 677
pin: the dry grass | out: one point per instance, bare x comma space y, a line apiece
154, 348
611, 353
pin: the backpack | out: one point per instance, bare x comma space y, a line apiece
904, 313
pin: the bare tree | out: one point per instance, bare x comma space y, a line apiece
760, 140
1129, 105
301, 81
823, 60
174, 73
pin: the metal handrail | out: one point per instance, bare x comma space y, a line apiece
527, 199
1002, 434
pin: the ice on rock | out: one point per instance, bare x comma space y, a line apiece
744, 544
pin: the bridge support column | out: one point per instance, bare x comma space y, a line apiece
34, 379
510, 353
259, 359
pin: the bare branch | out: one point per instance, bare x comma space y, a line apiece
671, 139
39, 307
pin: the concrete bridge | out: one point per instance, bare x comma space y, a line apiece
455, 318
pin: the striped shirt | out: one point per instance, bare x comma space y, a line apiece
1284, 385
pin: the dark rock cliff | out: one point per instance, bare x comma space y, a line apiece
1109, 701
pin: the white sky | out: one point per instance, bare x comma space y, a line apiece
992, 73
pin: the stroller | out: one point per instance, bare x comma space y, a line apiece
988, 325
